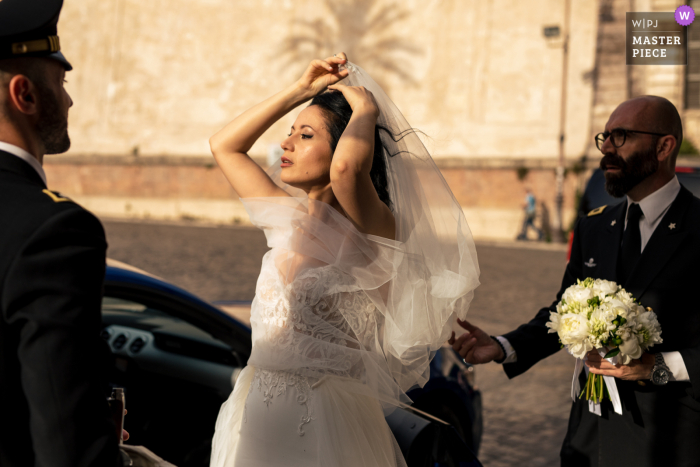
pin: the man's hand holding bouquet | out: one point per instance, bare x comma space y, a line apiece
599, 321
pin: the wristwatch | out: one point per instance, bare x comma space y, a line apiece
660, 373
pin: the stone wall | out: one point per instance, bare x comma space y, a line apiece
160, 77
154, 80
615, 82
186, 189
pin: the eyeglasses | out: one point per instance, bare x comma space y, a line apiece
618, 137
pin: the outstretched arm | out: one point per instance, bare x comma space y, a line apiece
475, 346
231, 144
532, 341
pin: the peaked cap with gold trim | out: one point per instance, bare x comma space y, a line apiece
28, 29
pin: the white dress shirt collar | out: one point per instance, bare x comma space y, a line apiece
26, 157
653, 209
657, 203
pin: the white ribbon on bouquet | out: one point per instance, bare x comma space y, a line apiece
609, 384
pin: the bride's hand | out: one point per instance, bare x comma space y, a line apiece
359, 98
322, 73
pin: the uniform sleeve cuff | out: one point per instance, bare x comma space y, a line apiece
676, 365
511, 356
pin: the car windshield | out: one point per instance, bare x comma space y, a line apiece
120, 312
116, 305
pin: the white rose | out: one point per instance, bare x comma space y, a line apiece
627, 331
573, 329
629, 350
650, 332
609, 309
639, 310
617, 307
625, 297
553, 323
601, 322
602, 287
569, 291
580, 349
578, 294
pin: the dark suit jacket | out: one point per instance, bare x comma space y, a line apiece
660, 425
53, 363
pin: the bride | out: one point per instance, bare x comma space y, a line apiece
371, 262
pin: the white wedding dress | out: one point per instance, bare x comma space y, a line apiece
344, 323
302, 400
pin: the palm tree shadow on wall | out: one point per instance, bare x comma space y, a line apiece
360, 28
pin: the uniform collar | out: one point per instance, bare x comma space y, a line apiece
26, 157
654, 205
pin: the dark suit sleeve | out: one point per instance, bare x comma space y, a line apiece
53, 294
532, 342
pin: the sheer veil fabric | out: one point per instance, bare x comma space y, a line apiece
345, 323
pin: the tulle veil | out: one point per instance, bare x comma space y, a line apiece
357, 316
419, 283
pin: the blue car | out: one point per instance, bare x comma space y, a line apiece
178, 356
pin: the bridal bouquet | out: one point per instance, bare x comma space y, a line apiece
599, 314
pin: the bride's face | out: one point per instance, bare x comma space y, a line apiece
306, 162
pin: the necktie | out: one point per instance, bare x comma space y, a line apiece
631, 245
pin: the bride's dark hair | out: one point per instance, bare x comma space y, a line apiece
337, 113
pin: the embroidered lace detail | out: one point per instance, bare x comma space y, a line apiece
320, 319
274, 383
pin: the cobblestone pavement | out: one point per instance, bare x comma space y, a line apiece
524, 419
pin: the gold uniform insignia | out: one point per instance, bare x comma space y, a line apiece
56, 198
597, 211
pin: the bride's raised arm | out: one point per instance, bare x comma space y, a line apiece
352, 163
231, 144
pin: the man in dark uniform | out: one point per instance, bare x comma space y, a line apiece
650, 245
53, 363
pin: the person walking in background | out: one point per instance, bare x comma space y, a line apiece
530, 211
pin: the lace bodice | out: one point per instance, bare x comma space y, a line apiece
331, 301
315, 326
345, 322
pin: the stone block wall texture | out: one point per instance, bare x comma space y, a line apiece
160, 77
615, 82
143, 181
491, 198
154, 80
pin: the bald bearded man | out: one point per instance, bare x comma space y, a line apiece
650, 245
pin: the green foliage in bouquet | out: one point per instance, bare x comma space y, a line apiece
599, 314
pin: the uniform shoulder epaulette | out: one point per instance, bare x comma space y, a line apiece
597, 211
56, 197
